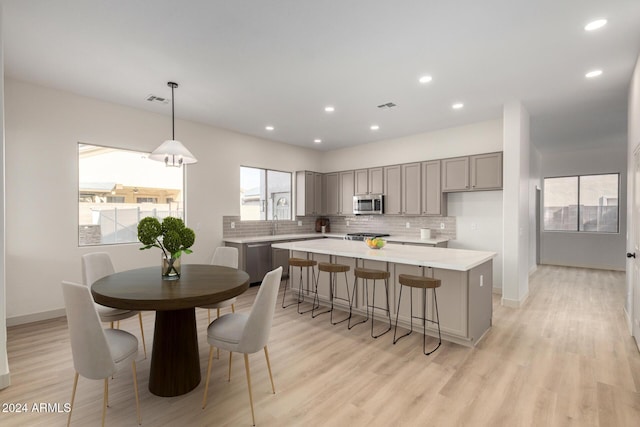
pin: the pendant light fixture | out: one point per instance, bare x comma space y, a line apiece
172, 152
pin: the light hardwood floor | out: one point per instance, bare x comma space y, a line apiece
564, 359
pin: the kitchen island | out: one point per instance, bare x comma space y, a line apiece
464, 298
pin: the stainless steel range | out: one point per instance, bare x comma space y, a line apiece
362, 236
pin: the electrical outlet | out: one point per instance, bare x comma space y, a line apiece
299, 223
408, 225
442, 226
347, 223
233, 224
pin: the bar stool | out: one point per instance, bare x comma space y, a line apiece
423, 283
371, 274
333, 270
302, 264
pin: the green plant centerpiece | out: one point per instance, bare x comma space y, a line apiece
172, 237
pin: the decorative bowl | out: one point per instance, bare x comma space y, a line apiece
375, 243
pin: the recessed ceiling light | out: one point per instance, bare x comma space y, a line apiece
374, 127
592, 74
317, 141
457, 105
269, 127
594, 25
425, 79
329, 109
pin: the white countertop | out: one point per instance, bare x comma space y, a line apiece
449, 259
278, 237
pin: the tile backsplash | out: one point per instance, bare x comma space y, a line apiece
395, 225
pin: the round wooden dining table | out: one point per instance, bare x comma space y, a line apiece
175, 360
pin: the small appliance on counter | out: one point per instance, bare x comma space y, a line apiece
322, 225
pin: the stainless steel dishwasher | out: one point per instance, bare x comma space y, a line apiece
258, 261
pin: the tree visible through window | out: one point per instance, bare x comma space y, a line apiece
264, 194
582, 203
117, 188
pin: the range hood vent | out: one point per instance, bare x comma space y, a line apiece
154, 98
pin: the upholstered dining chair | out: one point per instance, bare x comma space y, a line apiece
95, 266
97, 353
246, 333
224, 256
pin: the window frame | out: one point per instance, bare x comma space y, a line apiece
578, 206
79, 193
266, 186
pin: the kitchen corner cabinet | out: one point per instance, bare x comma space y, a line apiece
478, 172
369, 181
392, 190
486, 171
433, 199
308, 193
411, 189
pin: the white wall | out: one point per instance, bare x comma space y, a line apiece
580, 249
5, 379
632, 305
535, 183
515, 289
479, 225
477, 138
43, 127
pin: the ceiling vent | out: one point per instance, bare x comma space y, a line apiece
154, 98
387, 106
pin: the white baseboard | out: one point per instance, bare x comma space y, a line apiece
577, 265
5, 380
35, 317
533, 269
629, 322
514, 303
497, 291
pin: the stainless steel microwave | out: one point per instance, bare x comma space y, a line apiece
368, 204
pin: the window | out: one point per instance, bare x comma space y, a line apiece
264, 194
582, 203
117, 188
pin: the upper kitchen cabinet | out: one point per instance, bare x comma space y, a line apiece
455, 174
411, 189
486, 171
392, 190
331, 193
433, 199
308, 193
346, 188
478, 172
369, 181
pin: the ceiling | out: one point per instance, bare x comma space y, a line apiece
243, 65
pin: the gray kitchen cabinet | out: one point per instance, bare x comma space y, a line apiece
369, 181
486, 171
362, 181
308, 193
433, 199
477, 172
331, 193
392, 190
280, 258
254, 258
346, 190
411, 189
318, 193
455, 174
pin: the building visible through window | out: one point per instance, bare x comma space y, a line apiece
264, 194
582, 203
117, 188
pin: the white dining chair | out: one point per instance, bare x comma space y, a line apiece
95, 266
224, 256
246, 333
97, 353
